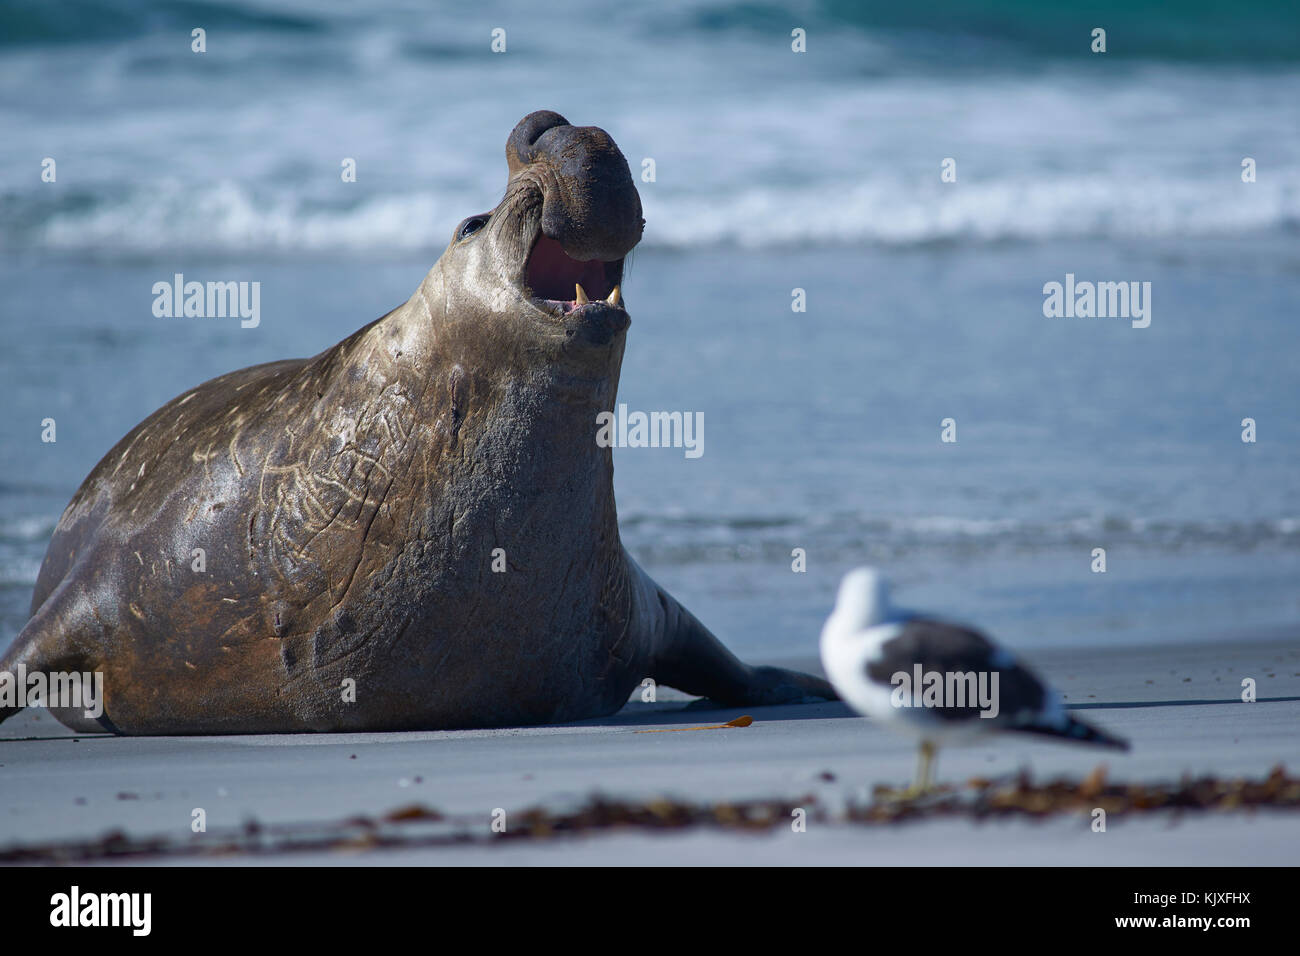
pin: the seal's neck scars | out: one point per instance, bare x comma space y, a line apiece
515, 429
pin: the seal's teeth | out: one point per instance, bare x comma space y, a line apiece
581, 296
615, 297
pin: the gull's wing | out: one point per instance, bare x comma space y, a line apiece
1025, 703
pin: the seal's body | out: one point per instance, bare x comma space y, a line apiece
413, 529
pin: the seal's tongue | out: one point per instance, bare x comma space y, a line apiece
590, 206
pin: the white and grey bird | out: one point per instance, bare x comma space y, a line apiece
933, 679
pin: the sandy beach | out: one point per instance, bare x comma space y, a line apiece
1179, 706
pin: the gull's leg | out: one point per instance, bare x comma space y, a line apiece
924, 763
927, 764
921, 782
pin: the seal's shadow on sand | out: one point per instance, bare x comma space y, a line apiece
677, 713
703, 712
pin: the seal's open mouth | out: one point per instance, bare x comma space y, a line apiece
560, 284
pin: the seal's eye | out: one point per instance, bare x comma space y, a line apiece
470, 226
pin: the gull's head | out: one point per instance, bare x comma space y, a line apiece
863, 599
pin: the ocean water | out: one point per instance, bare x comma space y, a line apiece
773, 171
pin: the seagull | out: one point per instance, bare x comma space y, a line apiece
940, 682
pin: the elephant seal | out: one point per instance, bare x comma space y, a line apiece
349, 509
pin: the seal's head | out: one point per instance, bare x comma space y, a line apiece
552, 250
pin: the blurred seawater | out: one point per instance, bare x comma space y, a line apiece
774, 171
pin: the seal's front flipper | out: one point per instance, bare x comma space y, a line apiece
47, 645
688, 657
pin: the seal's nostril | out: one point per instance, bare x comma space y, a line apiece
523, 139
537, 123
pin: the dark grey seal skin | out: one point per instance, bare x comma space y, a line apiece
349, 506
